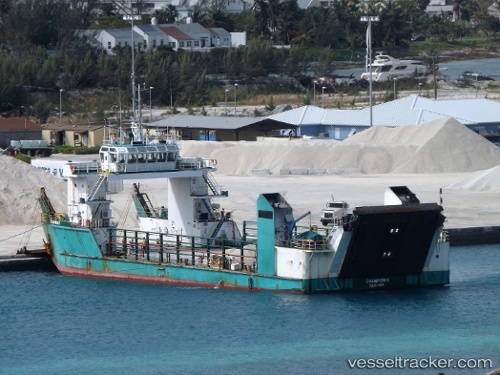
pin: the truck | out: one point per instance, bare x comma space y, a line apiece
35, 148
334, 213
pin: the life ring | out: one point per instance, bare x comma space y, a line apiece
87, 223
72, 168
214, 161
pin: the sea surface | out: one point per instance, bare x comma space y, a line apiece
54, 324
452, 69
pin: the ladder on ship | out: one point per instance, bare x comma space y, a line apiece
209, 208
143, 201
217, 228
97, 185
209, 179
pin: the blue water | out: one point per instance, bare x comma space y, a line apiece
52, 324
453, 69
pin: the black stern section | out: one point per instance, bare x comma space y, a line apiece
390, 240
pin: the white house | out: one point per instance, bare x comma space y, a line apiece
111, 38
152, 36
191, 36
219, 37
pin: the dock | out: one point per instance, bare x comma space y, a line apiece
474, 235
29, 260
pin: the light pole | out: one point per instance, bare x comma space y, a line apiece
314, 92
225, 101
132, 18
235, 87
323, 97
419, 88
370, 19
150, 107
60, 107
395, 79
434, 75
475, 75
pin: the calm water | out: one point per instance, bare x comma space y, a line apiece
51, 324
453, 69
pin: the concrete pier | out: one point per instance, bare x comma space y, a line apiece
474, 235
26, 262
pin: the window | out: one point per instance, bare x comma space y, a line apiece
161, 42
181, 44
145, 44
154, 43
109, 45
189, 43
196, 43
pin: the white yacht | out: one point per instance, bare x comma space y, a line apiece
385, 67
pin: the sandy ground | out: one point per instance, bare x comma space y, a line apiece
463, 208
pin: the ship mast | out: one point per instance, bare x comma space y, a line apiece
132, 18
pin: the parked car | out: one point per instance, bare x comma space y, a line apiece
418, 38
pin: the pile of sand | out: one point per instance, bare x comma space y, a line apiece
487, 180
19, 187
442, 146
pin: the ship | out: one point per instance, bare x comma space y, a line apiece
189, 240
386, 67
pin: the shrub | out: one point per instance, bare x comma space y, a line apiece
25, 158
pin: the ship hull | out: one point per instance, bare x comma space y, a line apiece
77, 252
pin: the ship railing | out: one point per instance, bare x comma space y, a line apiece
322, 230
187, 163
125, 140
84, 167
309, 245
250, 230
161, 248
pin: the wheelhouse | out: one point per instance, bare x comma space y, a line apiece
139, 158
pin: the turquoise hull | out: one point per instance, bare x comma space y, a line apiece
75, 251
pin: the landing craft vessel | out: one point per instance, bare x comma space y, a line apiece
191, 241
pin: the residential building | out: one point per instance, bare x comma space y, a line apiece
73, 135
18, 128
109, 39
189, 36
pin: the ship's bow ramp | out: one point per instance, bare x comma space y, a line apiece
391, 240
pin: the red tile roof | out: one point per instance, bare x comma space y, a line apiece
176, 33
18, 123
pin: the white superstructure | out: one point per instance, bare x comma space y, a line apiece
386, 67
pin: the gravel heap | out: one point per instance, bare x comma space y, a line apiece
441, 146
19, 187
